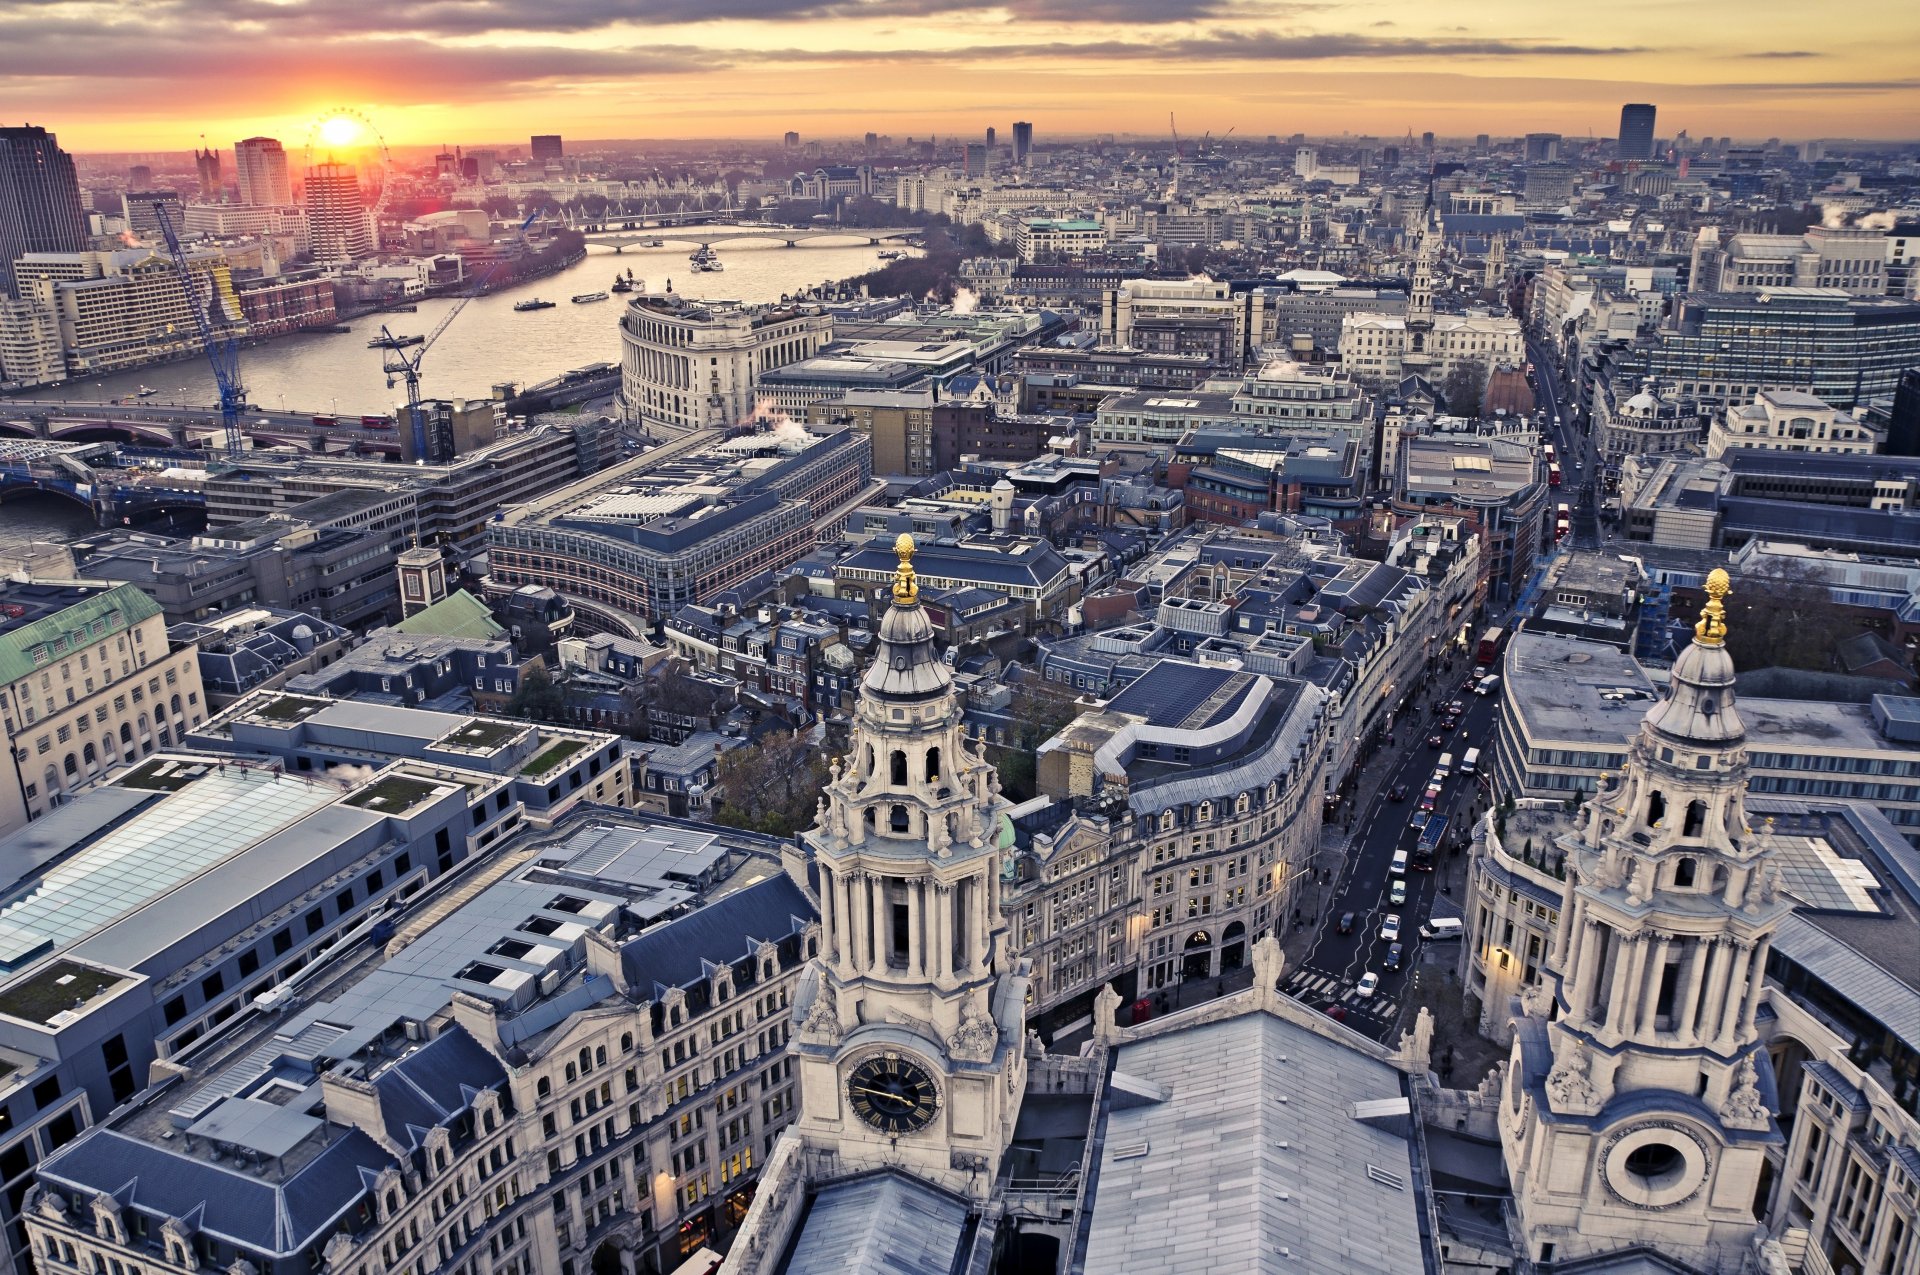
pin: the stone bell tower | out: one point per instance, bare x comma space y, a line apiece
1637, 1102
910, 1043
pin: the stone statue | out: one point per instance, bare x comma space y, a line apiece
1744, 1105
1570, 1086
1269, 964
1416, 1045
1106, 1010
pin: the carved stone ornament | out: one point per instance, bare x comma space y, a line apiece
975, 1039
823, 1016
1570, 1085
1744, 1106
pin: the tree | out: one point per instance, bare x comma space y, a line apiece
538, 697
773, 786
1464, 386
1039, 711
1782, 616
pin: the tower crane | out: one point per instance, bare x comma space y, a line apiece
405, 364
222, 350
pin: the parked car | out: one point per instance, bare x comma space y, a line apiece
1390, 928
1397, 793
1394, 956
1397, 892
1346, 922
1368, 985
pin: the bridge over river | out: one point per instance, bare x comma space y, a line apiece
641, 235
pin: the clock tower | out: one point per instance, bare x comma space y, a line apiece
1637, 1101
909, 1039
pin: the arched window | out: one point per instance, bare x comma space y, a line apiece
599, 1055
586, 1060
1719, 878
542, 1089
1696, 819
87, 754
626, 1042
126, 733
1683, 870
53, 779
870, 763
573, 1073
933, 765
1656, 809
897, 818
176, 706
898, 761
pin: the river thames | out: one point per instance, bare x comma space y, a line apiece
335, 373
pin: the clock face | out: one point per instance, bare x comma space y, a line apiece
893, 1094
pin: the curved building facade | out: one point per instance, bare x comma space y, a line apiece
687, 365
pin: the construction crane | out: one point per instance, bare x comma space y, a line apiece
222, 349
396, 361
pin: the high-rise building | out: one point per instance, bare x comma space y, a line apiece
976, 161
336, 214
146, 207
207, 164
547, 147
1022, 144
39, 199
1636, 131
1542, 147
990, 135
791, 141
260, 171
1480, 141
140, 176
872, 141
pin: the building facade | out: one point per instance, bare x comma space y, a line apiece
261, 174
687, 365
88, 683
40, 207
338, 227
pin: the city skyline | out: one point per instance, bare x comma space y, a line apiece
165, 77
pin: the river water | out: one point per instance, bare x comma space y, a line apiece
335, 373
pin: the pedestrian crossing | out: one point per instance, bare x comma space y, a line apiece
1318, 986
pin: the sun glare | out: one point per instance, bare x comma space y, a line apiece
340, 130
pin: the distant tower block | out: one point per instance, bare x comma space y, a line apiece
423, 579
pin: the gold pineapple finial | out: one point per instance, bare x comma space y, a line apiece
1712, 628
905, 591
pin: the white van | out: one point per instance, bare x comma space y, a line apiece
1399, 868
1442, 927
1445, 767
1468, 762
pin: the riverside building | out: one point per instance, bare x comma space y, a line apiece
688, 365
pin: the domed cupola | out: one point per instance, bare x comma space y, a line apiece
1699, 709
906, 667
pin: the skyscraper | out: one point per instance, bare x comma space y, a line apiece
976, 160
547, 147
207, 164
1022, 144
39, 200
791, 141
1636, 131
336, 215
140, 176
260, 171
990, 135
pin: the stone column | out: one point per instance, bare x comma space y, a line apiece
1646, 1016
1735, 998
1622, 981
1567, 936
827, 910
1757, 976
1686, 1011
916, 941
939, 938
1716, 998
1580, 950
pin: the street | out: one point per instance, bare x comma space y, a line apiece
1579, 471
1334, 963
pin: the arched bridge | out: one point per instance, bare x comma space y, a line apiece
119, 484
708, 235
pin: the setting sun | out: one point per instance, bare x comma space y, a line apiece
340, 130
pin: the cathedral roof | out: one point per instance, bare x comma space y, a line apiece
1699, 706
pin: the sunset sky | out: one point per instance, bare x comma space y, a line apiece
111, 76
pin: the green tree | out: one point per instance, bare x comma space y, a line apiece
1464, 387
772, 786
1782, 616
538, 697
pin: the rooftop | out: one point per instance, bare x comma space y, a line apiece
42, 622
1567, 689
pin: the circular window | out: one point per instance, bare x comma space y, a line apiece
1655, 1166
1654, 1162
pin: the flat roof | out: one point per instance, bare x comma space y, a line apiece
1572, 690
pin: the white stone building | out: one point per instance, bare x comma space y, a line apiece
1790, 421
